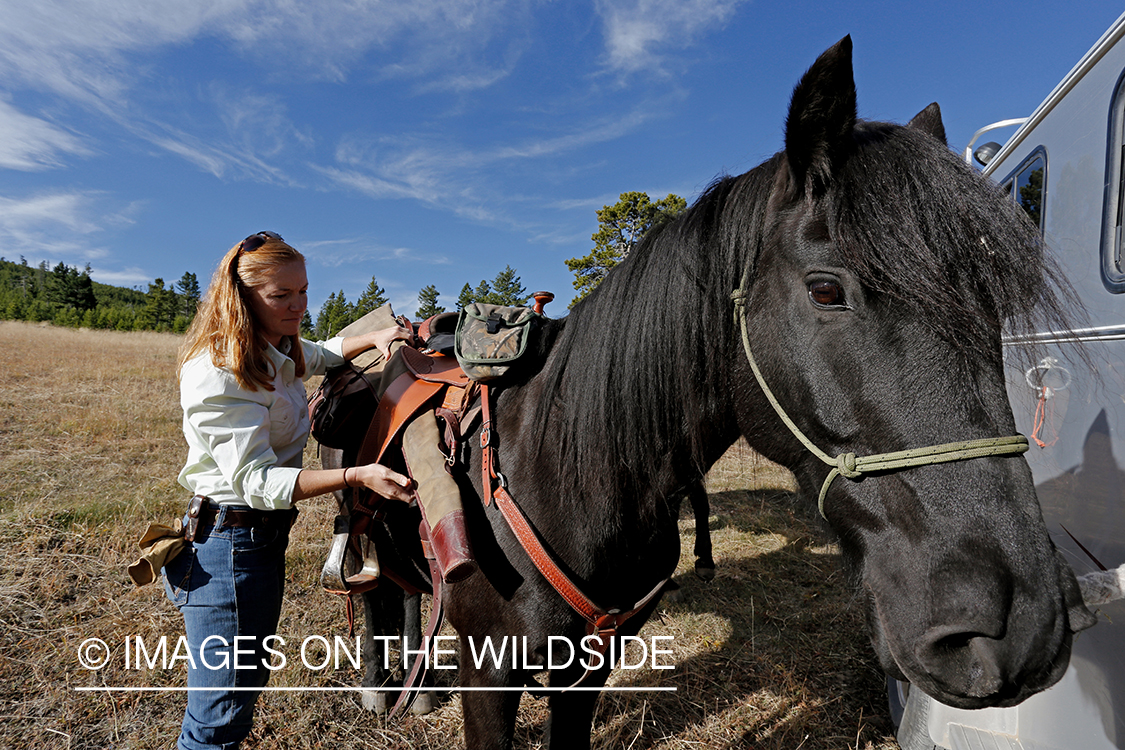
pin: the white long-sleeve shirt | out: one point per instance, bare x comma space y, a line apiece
246, 447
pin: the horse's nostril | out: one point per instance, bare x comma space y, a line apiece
954, 641
964, 660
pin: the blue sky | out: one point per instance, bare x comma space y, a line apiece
437, 141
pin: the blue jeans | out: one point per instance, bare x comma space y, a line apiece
228, 585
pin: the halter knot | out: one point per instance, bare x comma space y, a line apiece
846, 464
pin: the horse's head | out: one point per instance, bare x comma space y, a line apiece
875, 301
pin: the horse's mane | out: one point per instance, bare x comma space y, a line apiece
635, 379
634, 357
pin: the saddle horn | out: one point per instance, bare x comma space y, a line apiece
541, 300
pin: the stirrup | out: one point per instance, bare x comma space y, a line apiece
334, 572
334, 575
368, 576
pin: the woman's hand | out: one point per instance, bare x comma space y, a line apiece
382, 481
382, 339
353, 346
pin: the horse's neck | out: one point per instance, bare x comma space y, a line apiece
630, 416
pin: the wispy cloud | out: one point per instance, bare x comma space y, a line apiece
95, 53
129, 277
464, 181
62, 227
640, 33
30, 144
347, 251
222, 158
79, 48
67, 210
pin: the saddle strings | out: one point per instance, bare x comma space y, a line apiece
854, 467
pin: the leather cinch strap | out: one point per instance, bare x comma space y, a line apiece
601, 623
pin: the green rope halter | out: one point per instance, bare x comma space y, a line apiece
854, 467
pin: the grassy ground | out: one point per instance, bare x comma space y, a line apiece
771, 654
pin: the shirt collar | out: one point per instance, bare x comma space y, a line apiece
281, 362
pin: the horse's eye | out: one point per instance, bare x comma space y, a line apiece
826, 293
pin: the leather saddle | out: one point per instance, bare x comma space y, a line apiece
431, 381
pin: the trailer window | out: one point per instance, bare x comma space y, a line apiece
1029, 184
1113, 257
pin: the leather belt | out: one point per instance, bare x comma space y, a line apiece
239, 518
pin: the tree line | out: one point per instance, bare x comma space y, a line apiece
337, 312
67, 296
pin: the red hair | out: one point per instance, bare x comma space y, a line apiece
225, 325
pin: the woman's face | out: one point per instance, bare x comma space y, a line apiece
280, 303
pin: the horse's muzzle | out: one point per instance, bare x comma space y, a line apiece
984, 641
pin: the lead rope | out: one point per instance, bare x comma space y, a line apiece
854, 467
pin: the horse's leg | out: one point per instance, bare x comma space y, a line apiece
383, 616
704, 564
490, 717
572, 718
572, 713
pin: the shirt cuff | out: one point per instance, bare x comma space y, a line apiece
280, 483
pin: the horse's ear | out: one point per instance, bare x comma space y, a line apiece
929, 121
822, 114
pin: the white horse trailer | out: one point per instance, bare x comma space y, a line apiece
1066, 166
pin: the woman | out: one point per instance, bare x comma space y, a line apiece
246, 424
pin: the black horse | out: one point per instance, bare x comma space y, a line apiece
877, 271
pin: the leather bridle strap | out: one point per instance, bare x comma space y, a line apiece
601, 624
854, 467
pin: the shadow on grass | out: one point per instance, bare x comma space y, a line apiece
794, 669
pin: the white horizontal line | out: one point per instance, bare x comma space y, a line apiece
115, 689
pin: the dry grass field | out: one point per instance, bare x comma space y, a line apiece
771, 654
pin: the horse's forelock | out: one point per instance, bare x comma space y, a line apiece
919, 226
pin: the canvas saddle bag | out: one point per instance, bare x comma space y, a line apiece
492, 339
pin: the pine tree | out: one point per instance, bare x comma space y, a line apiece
322, 324
372, 298
483, 292
620, 227
507, 289
334, 315
66, 287
427, 303
465, 298
189, 294
160, 308
82, 292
